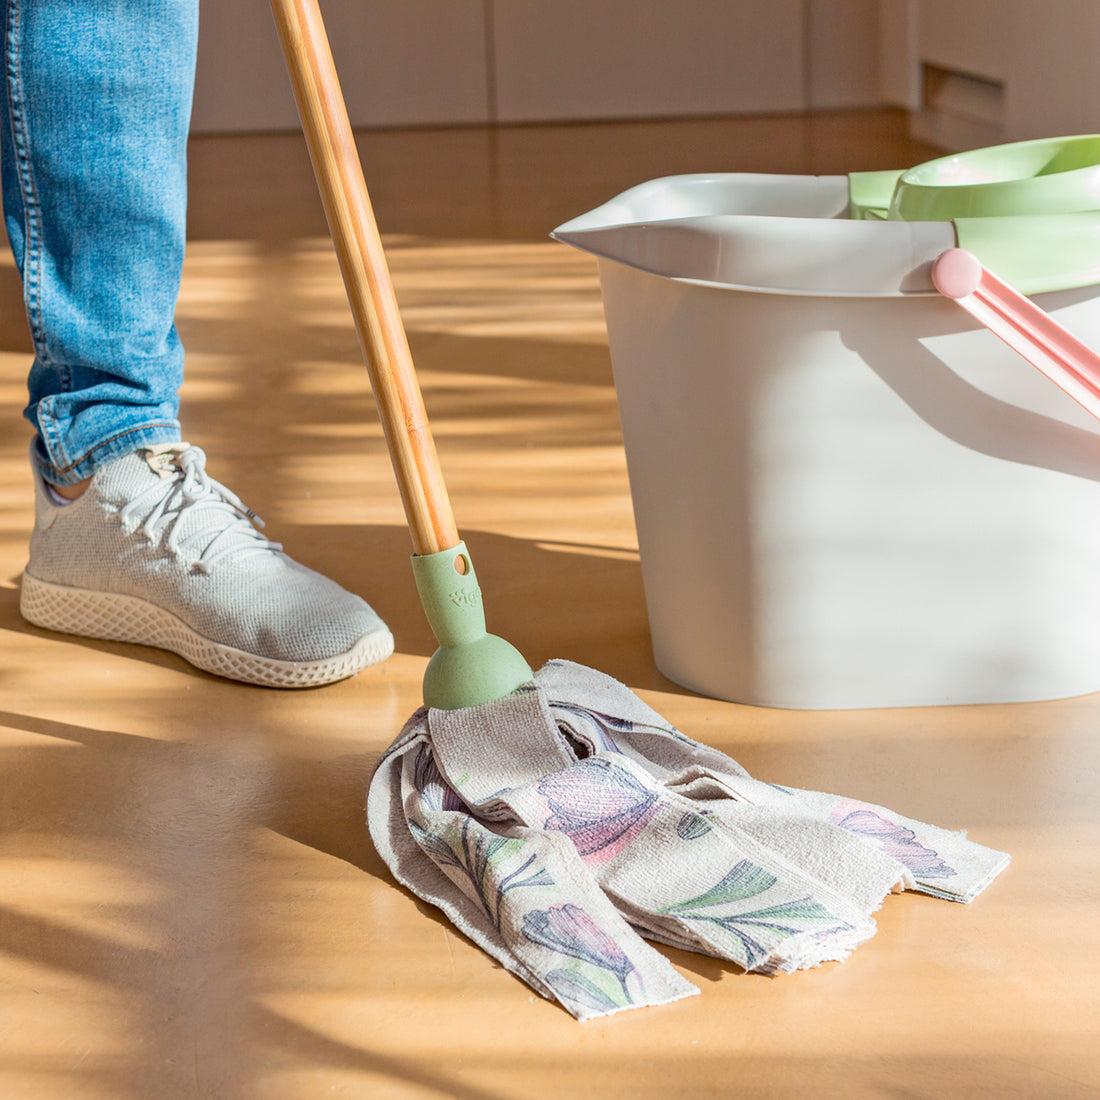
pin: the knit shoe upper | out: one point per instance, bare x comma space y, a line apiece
156, 551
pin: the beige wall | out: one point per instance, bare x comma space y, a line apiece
401, 62
1022, 68
417, 62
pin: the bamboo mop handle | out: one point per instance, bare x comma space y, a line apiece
366, 275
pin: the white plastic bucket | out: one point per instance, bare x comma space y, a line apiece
847, 493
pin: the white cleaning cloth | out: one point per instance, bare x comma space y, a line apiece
558, 826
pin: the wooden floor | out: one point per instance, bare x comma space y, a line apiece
190, 905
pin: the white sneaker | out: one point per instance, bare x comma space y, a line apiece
157, 552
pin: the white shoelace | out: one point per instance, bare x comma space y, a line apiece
186, 489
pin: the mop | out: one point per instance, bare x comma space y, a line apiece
553, 816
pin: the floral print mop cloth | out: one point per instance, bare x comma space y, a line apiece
559, 826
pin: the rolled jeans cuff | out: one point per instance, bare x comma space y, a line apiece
122, 441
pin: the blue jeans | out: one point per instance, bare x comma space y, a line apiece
93, 133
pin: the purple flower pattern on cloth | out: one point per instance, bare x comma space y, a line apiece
569, 930
601, 807
896, 840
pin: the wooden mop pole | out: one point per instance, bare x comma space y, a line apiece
366, 275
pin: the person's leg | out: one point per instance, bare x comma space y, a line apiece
94, 130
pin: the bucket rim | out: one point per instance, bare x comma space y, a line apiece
848, 257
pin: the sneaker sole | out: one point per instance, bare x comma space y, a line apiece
118, 618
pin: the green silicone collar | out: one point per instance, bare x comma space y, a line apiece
470, 667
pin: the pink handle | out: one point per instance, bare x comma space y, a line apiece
1068, 363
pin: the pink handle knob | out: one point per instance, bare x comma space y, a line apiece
957, 273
